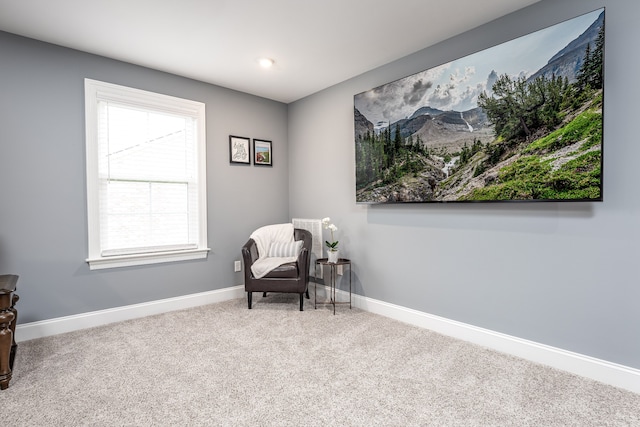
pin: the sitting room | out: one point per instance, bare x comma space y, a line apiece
145, 146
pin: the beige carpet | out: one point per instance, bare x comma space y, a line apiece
225, 365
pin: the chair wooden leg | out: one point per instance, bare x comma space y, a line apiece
308, 293
302, 301
249, 294
264, 294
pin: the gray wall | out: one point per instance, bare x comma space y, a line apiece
43, 221
561, 274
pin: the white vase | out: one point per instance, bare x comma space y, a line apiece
333, 256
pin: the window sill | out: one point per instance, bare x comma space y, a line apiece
144, 259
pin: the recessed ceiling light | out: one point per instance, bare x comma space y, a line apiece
265, 62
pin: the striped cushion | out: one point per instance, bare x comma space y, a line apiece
285, 249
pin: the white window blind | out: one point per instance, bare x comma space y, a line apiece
145, 177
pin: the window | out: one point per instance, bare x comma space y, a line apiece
146, 177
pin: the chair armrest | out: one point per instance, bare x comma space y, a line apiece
249, 254
303, 256
303, 263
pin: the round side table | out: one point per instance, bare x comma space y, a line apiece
322, 262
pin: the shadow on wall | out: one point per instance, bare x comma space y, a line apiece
507, 216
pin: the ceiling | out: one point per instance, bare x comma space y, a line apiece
314, 43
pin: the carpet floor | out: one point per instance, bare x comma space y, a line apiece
225, 365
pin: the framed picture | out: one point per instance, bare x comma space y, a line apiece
262, 153
520, 121
239, 150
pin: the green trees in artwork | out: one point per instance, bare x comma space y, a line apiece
590, 74
522, 111
381, 157
541, 116
519, 107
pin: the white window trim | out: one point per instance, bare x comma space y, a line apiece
95, 90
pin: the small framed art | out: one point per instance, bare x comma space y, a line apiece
239, 150
262, 155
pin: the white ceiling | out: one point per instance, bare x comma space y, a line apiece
315, 43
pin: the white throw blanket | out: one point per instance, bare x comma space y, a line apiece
263, 237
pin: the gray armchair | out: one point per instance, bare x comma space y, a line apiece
292, 277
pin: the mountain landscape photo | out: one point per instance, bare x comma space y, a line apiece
519, 121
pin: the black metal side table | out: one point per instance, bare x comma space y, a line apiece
322, 262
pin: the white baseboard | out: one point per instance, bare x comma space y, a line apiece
600, 370
76, 322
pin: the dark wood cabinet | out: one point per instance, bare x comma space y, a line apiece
8, 319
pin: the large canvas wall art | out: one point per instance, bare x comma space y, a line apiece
515, 122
